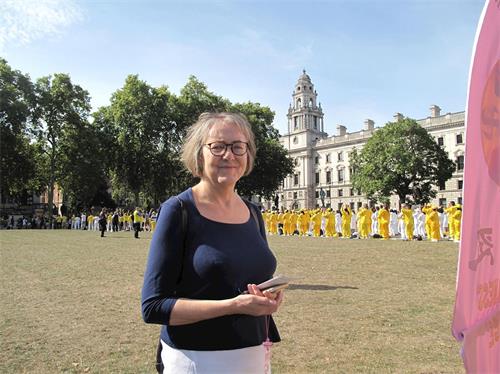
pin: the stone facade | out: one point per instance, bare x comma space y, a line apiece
322, 170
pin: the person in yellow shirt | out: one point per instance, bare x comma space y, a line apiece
265, 218
316, 222
383, 221
434, 224
286, 222
408, 221
303, 223
450, 212
293, 222
330, 223
346, 221
457, 221
137, 221
273, 221
365, 221
154, 217
109, 222
427, 209
281, 223
90, 222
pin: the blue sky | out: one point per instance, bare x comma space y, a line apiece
367, 59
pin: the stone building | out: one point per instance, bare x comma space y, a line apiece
322, 175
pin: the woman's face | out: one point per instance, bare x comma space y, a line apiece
228, 168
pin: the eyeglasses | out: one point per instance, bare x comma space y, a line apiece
219, 149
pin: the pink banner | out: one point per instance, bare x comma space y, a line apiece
476, 320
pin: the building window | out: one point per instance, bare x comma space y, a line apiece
316, 160
295, 179
460, 184
441, 141
460, 163
327, 193
340, 174
459, 200
460, 139
352, 206
317, 178
442, 201
351, 192
328, 158
442, 186
317, 194
328, 176
295, 123
341, 192
340, 156
295, 195
295, 139
315, 119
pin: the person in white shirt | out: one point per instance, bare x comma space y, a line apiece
83, 221
393, 223
375, 221
77, 223
419, 219
338, 222
402, 226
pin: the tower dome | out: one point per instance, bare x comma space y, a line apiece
304, 113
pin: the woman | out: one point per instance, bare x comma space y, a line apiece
194, 281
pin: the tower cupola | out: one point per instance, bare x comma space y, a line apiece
304, 113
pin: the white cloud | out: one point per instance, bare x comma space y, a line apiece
24, 21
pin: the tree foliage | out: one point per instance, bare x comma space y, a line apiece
401, 158
18, 156
272, 163
131, 146
62, 133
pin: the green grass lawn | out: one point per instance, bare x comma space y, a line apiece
70, 302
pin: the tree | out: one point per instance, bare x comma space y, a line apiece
402, 159
60, 114
140, 119
17, 154
272, 163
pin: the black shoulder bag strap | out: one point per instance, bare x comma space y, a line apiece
184, 218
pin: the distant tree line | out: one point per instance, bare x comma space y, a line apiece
49, 136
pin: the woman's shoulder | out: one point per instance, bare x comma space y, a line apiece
251, 204
177, 202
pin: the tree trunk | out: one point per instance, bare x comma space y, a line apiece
402, 200
136, 198
52, 178
50, 200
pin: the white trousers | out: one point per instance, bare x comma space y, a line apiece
249, 360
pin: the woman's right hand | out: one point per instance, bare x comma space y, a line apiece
256, 303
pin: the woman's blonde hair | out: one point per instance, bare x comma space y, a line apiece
192, 155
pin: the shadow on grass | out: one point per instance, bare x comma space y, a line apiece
318, 287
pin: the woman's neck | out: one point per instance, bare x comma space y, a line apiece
219, 195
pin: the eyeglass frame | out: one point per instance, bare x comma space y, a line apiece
226, 145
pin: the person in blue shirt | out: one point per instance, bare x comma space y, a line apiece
201, 284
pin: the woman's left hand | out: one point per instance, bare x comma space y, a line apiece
277, 296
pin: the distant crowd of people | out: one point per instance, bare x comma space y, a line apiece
428, 222
105, 221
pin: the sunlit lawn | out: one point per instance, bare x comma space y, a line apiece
70, 302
